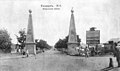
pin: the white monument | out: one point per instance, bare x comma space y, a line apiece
30, 42
72, 40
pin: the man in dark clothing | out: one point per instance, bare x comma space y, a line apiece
111, 63
117, 55
86, 52
93, 52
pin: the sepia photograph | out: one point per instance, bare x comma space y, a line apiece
59, 35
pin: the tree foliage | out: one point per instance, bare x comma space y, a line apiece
5, 41
62, 43
21, 38
42, 44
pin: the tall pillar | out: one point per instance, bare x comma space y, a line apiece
30, 42
72, 40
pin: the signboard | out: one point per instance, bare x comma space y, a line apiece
93, 37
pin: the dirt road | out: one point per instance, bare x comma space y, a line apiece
54, 61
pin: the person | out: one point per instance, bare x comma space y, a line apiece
86, 52
43, 51
23, 52
117, 55
19, 50
111, 63
77, 49
27, 52
93, 51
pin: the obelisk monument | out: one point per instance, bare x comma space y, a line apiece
72, 40
30, 42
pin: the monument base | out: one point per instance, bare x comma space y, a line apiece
72, 48
31, 47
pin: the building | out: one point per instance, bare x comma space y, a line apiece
93, 37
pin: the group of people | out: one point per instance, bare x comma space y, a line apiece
116, 53
82, 51
89, 52
24, 52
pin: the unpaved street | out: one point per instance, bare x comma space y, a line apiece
54, 61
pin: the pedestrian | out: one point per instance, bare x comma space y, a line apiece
35, 56
86, 52
117, 55
27, 52
43, 51
93, 52
23, 52
19, 50
111, 63
77, 49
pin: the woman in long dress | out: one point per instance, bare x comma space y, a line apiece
27, 52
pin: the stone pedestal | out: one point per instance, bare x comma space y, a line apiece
31, 47
72, 48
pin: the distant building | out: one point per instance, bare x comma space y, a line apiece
93, 37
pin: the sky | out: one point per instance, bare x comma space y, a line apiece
51, 25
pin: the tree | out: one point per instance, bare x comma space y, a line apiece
5, 41
42, 44
21, 38
62, 43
